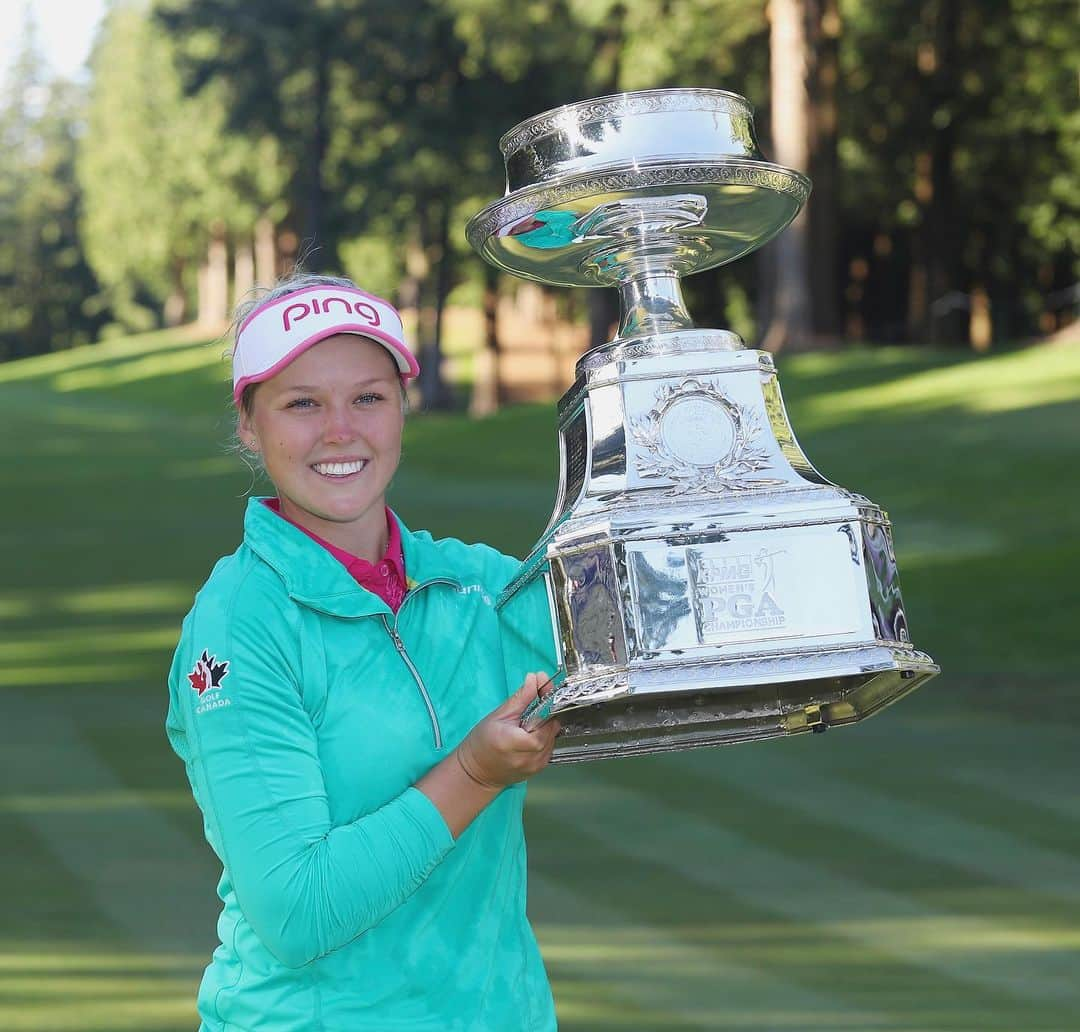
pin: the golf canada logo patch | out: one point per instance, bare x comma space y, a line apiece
206, 678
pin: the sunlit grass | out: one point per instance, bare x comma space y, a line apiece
81, 802
100, 355
146, 368
941, 935
77, 672
1001, 383
96, 962
61, 990
44, 645
147, 597
136, 1004
936, 843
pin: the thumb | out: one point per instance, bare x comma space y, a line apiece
526, 694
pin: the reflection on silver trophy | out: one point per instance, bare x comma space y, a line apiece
706, 584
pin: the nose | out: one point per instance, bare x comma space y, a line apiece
339, 427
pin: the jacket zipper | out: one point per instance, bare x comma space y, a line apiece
400, 646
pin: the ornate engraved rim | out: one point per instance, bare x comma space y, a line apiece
636, 102
623, 177
673, 343
728, 474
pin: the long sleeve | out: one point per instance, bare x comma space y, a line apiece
237, 720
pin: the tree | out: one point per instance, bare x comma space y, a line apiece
790, 319
959, 164
274, 67
45, 284
166, 183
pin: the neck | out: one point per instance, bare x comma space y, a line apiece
366, 537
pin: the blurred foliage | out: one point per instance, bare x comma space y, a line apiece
159, 169
45, 283
366, 132
989, 93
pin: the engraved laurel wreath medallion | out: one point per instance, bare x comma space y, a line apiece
699, 438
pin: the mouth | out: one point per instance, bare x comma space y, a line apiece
339, 470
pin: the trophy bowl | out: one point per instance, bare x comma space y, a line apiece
703, 582
682, 165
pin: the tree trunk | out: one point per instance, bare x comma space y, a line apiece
266, 266
941, 235
603, 308
314, 246
790, 325
214, 282
487, 383
434, 224
175, 309
243, 271
441, 396
980, 325
933, 247
824, 34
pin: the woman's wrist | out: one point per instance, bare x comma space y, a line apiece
456, 793
474, 775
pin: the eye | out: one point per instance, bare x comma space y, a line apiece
369, 398
301, 403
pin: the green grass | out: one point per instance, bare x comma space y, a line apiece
920, 871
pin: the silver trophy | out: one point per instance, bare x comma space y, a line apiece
704, 582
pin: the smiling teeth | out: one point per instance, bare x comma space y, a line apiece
338, 469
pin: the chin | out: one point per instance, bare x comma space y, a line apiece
344, 513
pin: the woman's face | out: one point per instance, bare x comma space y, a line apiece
328, 427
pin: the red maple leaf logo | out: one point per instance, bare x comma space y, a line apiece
208, 673
197, 677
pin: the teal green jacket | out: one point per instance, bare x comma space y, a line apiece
304, 711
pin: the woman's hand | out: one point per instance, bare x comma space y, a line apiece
498, 751
495, 753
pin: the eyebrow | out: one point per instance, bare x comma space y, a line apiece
358, 383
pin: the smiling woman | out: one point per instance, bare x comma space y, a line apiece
328, 429
339, 702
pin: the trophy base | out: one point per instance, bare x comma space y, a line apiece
665, 717
706, 585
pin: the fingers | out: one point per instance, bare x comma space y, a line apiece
529, 692
533, 756
549, 732
499, 752
539, 684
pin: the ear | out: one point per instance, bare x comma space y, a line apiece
245, 430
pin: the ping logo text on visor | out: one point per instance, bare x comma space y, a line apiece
278, 331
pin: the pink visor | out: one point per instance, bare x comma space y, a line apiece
278, 331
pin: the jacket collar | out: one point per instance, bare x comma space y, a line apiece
313, 577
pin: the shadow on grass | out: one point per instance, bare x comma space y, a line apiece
123, 500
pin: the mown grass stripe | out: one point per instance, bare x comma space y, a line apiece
611, 958
720, 925
886, 922
907, 826
141, 873
1054, 797
841, 851
1036, 767
1033, 820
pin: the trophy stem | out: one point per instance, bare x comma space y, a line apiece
652, 302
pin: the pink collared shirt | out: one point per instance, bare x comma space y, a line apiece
385, 578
